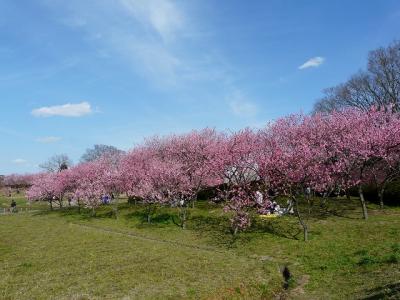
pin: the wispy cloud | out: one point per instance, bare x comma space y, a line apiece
156, 38
163, 16
152, 46
20, 161
65, 110
241, 106
160, 41
157, 63
48, 139
312, 63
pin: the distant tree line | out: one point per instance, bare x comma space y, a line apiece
60, 162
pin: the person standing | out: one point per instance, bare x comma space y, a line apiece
13, 206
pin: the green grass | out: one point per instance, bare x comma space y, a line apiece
63, 255
22, 203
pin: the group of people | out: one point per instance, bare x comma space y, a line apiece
274, 208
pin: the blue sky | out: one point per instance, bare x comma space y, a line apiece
82, 72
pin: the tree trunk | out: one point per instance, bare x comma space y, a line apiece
381, 193
362, 200
115, 210
306, 196
183, 217
51, 205
149, 212
235, 230
148, 217
302, 223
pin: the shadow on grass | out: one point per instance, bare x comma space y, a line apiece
284, 227
82, 214
158, 219
215, 229
207, 223
344, 209
389, 291
331, 207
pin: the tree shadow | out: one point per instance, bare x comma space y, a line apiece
65, 211
81, 214
389, 291
215, 230
280, 226
158, 219
324, 208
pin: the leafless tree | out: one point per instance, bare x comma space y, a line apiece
378, 86
99, 151
57, 163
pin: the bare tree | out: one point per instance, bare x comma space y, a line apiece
57, 163
99, 151
378, 86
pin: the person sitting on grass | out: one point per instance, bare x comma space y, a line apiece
13, 206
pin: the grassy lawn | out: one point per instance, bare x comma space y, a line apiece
22, 203
63, 255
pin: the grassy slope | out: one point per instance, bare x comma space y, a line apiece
63, 254
44, 256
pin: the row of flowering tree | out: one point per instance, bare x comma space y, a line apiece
17, 181
322, 152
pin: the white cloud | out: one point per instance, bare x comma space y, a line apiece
19, 161
48, 139
312, 62
65, 110
242, 107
